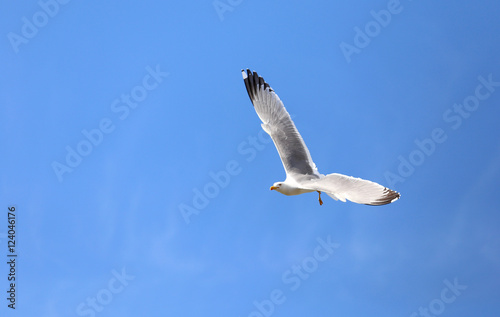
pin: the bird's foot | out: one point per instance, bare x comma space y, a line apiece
319, 198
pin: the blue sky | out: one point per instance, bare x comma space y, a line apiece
140, 175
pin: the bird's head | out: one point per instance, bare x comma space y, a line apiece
283, 188
276, 186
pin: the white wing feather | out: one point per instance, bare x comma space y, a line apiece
357, 190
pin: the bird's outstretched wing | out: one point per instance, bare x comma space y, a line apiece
357, 190
277, 123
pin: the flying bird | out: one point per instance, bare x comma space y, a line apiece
302, 176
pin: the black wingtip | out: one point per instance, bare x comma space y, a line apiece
253, 83
389, 196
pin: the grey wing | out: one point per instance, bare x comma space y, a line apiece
357, 190
277, 123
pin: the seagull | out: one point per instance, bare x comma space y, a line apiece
302, 176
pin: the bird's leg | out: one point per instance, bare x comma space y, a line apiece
319, 198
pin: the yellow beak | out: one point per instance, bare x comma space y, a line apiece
273, 187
